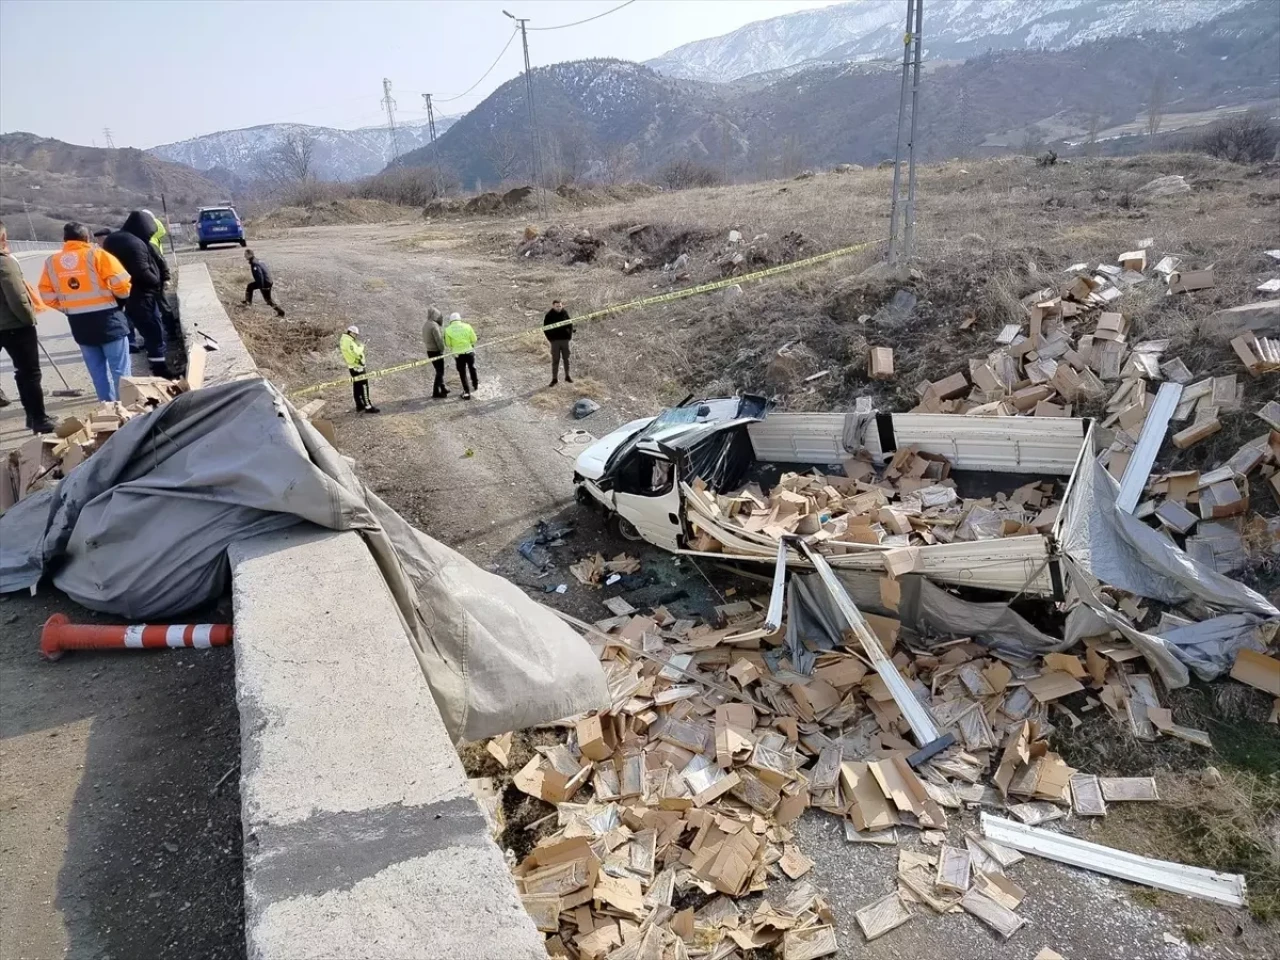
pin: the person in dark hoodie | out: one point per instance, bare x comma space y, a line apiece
261, 281
131, 245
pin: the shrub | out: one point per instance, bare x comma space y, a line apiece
1244, 138
685, 173
405, 186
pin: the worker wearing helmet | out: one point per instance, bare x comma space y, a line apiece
353, 353
460, 340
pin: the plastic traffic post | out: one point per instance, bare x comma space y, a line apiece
60, 634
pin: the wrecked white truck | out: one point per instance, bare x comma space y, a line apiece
870, 491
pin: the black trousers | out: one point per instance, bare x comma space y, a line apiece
360, 390
559, 352
266, 295
143, 311
465, 362
438, 388
24, 351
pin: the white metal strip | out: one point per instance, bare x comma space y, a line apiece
773, 619
1150, 440
1228, 888
1002, 444
922, 725
200, 635
133, 635
173, 635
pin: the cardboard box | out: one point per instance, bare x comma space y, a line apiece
1188, 280
881, 363
1196, 432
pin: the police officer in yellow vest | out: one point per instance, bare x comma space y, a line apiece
87, 283
460, 340
353, 353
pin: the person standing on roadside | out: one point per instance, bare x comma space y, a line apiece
87, 283
460, 340
18, 338
261, 281
433, 340
353, 353
131, 245
559, 338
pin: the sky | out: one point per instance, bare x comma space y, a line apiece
155, 71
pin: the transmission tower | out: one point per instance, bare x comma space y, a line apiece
390, 106
435, 150
536, 162
106, 132
902, 238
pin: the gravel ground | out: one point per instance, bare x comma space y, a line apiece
117, 839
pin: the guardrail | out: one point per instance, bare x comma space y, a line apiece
33, 246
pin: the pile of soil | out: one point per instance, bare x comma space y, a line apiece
332, 212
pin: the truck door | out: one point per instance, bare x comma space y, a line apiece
646, 495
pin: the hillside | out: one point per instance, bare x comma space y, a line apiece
953, 30
338, 154
606, 117
609, 119
65, 181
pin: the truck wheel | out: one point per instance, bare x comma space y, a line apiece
203, 245
626, 529
585, 499
244, 242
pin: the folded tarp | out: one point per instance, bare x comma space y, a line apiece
140, 530
1121, 551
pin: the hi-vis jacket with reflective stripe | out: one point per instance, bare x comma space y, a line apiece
352, 351
83, 279
459, 337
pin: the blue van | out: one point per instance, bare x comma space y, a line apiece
219, 225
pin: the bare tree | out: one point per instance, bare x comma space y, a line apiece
615, 163
1095, 126
685, 173
1245, 138
569, 156
1032, 141
1155, 105
791, 156
503, 153
292, 160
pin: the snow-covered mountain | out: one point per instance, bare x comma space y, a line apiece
954, 29
338, 154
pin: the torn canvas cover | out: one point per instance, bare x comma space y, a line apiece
1120, 550
141, 528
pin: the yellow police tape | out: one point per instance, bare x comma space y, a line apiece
605, 312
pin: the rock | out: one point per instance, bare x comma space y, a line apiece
584, 234
530, 232
973, 238
1211, 777
760, 238
899, 309
789, 365
804, 175
846, 168
732, 293
735, 236
584, 408
1170, 186
680, 262
884, 165
1262, 319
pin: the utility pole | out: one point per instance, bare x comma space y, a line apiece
900, 238
435, 150
536, 162
390, 105
106, 132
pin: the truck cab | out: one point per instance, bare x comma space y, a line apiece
635, 471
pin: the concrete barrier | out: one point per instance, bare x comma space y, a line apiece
361, 838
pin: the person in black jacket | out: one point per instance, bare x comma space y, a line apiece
261, 281
559, 339
131, 245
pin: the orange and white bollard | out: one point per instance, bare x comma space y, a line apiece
60, 634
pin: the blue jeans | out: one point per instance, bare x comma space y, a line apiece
107, 363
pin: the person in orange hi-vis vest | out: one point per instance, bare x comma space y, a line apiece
87, 283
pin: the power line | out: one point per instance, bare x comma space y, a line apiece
536, 159
459, 96
588, 20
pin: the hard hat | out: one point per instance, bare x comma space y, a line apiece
353, 329
454, 316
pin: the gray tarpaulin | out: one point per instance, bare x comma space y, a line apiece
1109, 545
141, 529
1120, 550
813, 621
